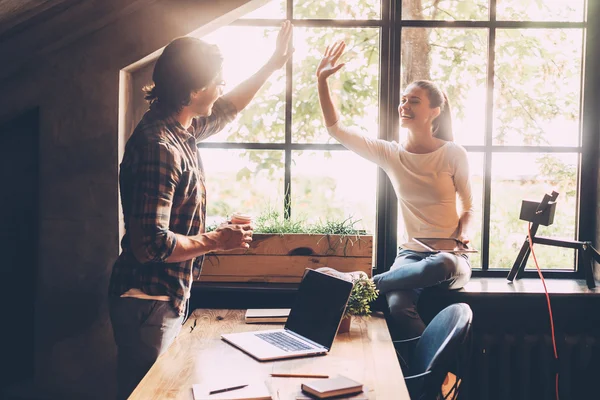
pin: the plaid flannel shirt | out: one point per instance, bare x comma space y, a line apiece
163, 193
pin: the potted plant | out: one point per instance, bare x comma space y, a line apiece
282, 248
363, 294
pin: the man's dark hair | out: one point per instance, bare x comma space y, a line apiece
186, 65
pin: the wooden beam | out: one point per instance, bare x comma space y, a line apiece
20, 15
80, 18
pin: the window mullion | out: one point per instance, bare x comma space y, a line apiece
488, 141
387, 204
287, 175
590, 138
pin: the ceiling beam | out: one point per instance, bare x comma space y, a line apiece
56, 27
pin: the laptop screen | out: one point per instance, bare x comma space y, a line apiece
319, 307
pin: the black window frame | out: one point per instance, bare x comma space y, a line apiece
391, 25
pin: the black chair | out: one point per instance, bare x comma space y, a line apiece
443, 347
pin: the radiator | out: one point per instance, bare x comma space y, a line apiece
513, 367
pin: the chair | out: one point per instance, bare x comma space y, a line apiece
443, 347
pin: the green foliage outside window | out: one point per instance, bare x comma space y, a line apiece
537, 75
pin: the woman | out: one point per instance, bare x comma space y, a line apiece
427, 171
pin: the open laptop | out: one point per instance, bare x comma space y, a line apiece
311, 326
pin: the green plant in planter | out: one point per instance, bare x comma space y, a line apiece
271, 221
363, 294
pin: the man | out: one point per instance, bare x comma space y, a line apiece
164, 199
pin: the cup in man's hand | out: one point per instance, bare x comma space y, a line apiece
239, 218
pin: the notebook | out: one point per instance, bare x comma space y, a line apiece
311, 326
264, 315
254, 391
360, 396
332, 387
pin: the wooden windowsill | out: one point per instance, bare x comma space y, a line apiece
476, 286
481, 285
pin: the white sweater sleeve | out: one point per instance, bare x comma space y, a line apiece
462, 180
378, 151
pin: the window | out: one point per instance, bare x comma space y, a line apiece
514, 74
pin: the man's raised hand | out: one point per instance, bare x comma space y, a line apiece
283, 48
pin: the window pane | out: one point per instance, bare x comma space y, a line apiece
517, 177
334, 185
537, 87
337, 9
355, 87
250, 181
450, 10
536, 10
264, 118
274, 9
456, 59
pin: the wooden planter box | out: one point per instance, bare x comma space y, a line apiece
282, 258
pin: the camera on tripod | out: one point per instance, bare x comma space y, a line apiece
542, 213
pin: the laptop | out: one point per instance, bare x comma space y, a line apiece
311, 326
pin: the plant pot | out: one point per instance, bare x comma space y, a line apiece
345, 324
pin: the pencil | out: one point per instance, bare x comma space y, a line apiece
300, 376
227, 389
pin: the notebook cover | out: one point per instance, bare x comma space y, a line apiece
360, 396
254, 391
258, 315
336, 386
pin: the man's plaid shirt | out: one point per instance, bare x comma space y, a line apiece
163, 193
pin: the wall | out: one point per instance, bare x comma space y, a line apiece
77, 90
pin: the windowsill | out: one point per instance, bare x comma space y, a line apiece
476, 286
479, 285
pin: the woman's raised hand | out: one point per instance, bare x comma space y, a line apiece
327, 65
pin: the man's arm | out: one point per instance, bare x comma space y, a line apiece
242, 94
151, 240
226, 237
227, 106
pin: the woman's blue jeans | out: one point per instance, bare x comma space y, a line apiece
409, 275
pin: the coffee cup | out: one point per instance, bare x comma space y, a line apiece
240, 218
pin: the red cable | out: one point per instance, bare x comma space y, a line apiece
548, 300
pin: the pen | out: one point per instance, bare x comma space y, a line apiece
227, 389
300, 376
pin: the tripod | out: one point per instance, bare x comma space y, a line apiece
543, 214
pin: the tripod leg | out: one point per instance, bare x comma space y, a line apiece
587, 262
523, 254
524, 262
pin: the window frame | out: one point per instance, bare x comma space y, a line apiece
391, 25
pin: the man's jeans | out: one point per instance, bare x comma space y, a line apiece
143, 329
409, 275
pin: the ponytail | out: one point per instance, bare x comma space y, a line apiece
442, 124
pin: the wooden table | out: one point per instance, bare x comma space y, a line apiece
198, 355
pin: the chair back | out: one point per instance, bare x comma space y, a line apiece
443, 339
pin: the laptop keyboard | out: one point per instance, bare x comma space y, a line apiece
283, 341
